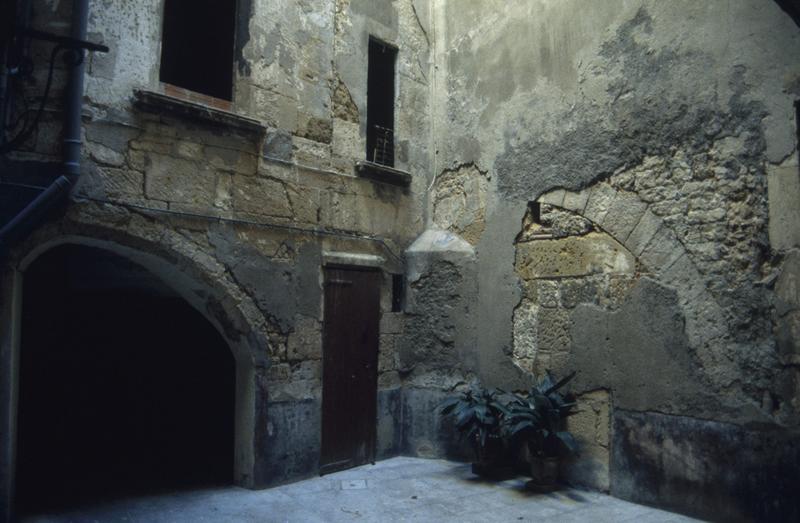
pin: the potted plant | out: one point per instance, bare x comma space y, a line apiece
539, 420
479, 416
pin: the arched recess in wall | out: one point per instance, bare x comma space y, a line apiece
630, 222
199, 281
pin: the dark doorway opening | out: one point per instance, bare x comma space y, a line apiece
350, 368
197, 46
124, 388
380, 103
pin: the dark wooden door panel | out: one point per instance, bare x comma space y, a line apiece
350, 357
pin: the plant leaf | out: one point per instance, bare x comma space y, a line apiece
546, 382
563, 381
464, 418
448, 405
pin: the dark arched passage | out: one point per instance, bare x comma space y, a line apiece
124, 387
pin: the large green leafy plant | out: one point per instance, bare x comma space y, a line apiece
539, 418
478, 414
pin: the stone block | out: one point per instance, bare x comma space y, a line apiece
121, 183
787, 287
105, 155
315, 129
553, 331
262, 196
591, 425
305, 203
576, 201
553, 198
662, 251
231, 160
389, 435
643, 232
389, 380
684, 277
525, 327
112, 135
338, 210
347, 145
594, 253
222, 201
278, 372
187, 149
137, 160
601, 198
784, 213
278, 144
153, 146
177, 180
575, 291
310, 153
387, 353
705, 321
305, 343
392, 323
787, 308
624, 215
788, 338
548, 294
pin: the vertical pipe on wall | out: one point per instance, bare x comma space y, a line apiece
74, 98
17, 228
29, 217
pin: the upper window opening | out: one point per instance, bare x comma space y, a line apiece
380, 103
197, 46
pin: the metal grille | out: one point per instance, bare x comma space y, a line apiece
383, 152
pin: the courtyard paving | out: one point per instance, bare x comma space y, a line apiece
398, 489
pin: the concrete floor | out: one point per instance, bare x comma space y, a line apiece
399, 489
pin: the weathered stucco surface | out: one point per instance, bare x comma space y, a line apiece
658, 141
608, 187
260, 201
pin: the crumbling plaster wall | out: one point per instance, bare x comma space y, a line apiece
263, 210
669, 126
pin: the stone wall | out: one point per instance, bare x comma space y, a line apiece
616, 170
259, 193
608, 187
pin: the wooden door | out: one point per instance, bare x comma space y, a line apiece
350, 361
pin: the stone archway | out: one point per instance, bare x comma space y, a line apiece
125, 389
193, 275
628, 219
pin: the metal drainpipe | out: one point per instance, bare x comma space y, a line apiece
27, 219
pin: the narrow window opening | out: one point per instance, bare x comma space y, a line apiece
197, 46
398, 292
380, 103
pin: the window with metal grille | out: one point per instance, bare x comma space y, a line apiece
197, 46
380, 103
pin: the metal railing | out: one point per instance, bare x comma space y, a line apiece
383, 150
